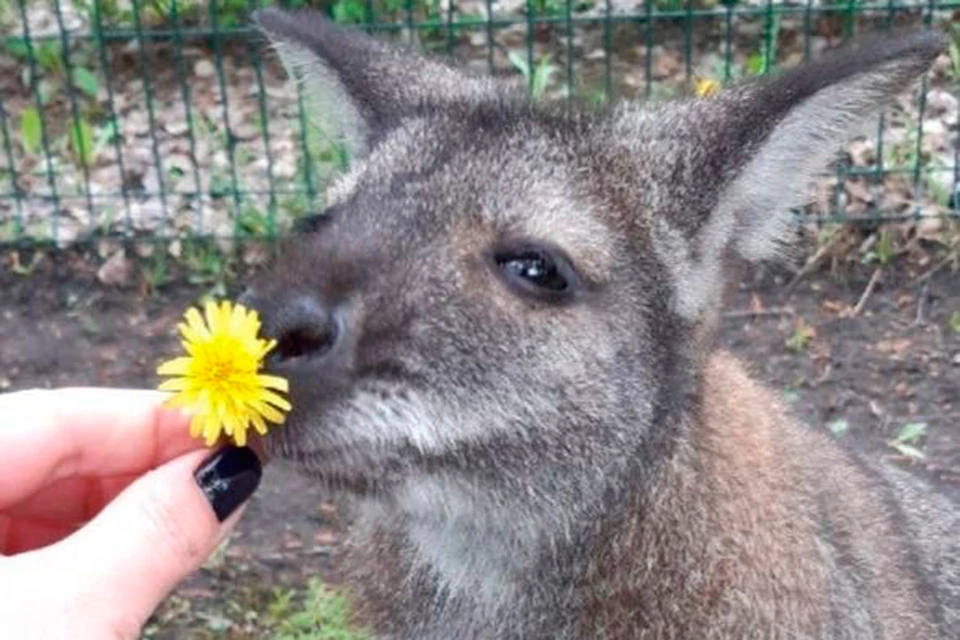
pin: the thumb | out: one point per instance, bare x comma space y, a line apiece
156, 532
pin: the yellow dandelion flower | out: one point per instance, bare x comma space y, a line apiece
706, 87
219, 380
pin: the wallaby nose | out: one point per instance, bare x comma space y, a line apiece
302, 325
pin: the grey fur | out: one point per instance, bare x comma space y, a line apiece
596, 467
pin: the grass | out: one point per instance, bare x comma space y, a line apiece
323, 614
801, 336
243, 609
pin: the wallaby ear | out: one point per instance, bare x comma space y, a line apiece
358, 87
762, 143
782, 131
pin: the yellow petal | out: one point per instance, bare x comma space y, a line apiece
258, 424
273, 382
211, 314
175, 384
196, 425
211, 428
196, 324
175, 367
240, 436
274, 399
268, 412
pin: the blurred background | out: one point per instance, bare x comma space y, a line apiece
152, 154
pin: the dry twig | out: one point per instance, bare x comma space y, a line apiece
812, 263
861, 303
756, 313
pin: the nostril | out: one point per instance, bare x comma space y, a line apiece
303, 328
305, 341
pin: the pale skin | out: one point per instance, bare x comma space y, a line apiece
100, 515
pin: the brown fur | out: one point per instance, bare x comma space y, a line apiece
727, 546
580, 461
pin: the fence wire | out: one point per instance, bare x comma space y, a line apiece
169, 119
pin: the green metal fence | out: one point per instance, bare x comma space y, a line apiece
170, 119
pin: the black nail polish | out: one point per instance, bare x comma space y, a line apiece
228, 478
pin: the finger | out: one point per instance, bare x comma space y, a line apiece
26, 534
56, 511
71, 499
49, 435
156, 532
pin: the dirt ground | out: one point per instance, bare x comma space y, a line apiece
864, 376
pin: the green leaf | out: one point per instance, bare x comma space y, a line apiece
30, 131
50, 56
838, 427
519, 61
104, 136
911, 432
541, 77
955, 322
955, 56
86, 81
82, 142
755, 64
17, 47
906, 450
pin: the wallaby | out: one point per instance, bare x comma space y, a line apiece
500, 336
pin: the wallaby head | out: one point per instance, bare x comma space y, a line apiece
501, 318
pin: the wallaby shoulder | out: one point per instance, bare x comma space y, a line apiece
763, 527
759, 527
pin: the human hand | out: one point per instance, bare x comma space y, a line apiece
106, 504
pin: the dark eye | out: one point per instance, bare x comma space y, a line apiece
534, 270
315, 222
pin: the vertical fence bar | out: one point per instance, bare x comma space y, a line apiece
38, 105
112, 114
568, 19
448, 24
490, 40
921, 113
528, 41
727, 40
77, 137
688, 40
257, 61
185, 97
231, 138
607, 50
879, 171
648, 37
151, 115
15, 191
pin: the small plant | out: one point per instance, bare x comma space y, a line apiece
206, 264
547, 7
157, 273
953, 71
838, 428
955, 322
906, 441
803, 334
349, 11
538, 79
254, 222
31, 129
325, 615
82, 142
52, 81
881, 250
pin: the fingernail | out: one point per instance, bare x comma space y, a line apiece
228, 478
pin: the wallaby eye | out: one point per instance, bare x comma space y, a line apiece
314, 222
536, 271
